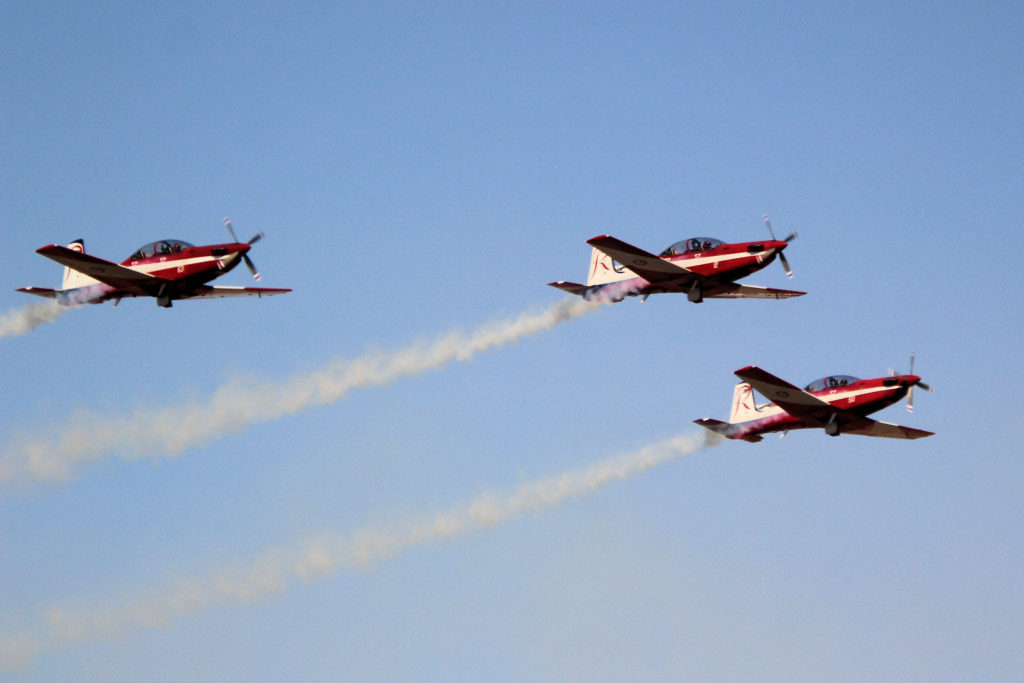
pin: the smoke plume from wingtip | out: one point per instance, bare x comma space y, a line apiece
91, 436
276, 570
27, 318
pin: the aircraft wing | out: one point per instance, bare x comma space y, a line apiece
868, 427
104, 271
734, 291
208, 292
645, 264
793, 400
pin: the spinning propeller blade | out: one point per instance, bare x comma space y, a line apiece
910, 394
245, 257
252, 268
782, 256
227, 224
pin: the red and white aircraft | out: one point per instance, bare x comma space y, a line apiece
165, 269
703, 267
839, 404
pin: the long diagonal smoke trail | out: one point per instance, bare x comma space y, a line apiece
91, 436
276, 570
27, 318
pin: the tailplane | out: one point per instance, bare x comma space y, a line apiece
717, 426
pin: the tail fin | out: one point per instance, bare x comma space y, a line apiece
743, 406
603, 269
72, 278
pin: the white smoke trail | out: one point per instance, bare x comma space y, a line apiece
93, 436
276, 570
27, 318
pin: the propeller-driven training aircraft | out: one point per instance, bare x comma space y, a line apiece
839, 404
165, 269
703, 267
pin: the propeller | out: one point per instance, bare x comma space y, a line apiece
782, 256
910, 393
245, 257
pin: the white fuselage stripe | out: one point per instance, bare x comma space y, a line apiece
148, 268
700, 261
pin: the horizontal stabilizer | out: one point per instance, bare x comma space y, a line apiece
723, 428
39, 291
571, 287
716, 426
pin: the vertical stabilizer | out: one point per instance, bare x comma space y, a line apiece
743, 406
72, 278
603, 269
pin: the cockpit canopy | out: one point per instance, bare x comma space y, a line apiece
691, 245
159, 248
833, 382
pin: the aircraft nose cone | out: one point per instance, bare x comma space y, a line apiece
911, 380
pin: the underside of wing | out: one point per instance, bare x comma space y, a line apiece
867, 427
39, 291
571, 287
648, 266
207, 292
104, 271
735, 291
793, 400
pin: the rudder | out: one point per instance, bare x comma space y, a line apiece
743, 406
72, 278
603, 269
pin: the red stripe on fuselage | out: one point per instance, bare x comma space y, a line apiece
732, 259
198, 263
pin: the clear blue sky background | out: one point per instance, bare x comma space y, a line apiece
424, 167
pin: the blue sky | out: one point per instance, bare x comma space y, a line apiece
424, 169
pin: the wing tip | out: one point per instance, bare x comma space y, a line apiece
743, 372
